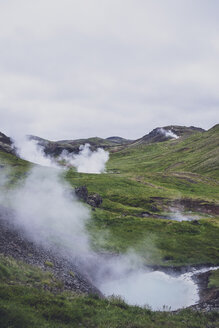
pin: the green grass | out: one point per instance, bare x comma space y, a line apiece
14, 273
49, 264
214, 279
155, 240
13, 167
149, 178
143, 178
30, 305
197, 154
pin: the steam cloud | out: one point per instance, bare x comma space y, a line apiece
31, 151
87, 161
177, 215
168, 133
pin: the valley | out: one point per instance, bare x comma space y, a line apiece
159, 199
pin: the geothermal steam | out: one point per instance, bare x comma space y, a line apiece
87, 161
177, 215
168, 133
29, 150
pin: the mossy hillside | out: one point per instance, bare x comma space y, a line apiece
13, 272
198, 154
13, 167
126, 195
158, 241
119, 224
172, 170
24, 305
135, 194
146, 178
24, 297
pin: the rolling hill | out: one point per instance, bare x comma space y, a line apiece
149, 184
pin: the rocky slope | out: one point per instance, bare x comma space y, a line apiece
15, 244
6, 144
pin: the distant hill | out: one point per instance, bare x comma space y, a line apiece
165, 133
115, 143
192, 152
119, 140
55, 148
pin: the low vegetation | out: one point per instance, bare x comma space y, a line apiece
154, 180
25, 302
214, 279
143, 184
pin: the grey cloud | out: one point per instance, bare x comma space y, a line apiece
73, 69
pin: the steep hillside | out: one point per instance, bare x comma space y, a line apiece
198, 153
6, 144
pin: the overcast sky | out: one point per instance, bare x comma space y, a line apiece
81, 68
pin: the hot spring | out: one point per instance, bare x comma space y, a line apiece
156, 289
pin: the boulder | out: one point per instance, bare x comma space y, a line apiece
6, 144
82, 193
94, 200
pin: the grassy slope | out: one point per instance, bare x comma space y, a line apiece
143, 173
172, 170
198, 153
14, 167
27, 300
26, 297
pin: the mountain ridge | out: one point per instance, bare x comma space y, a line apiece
114, 143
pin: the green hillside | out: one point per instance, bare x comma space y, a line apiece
144, 185
157, 179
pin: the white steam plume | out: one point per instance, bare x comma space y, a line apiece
31, 151
168, 133
47, 211
49, 214
158, 289
87, 161
177, 215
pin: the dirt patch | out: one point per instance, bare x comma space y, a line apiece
195, 206
186, 204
